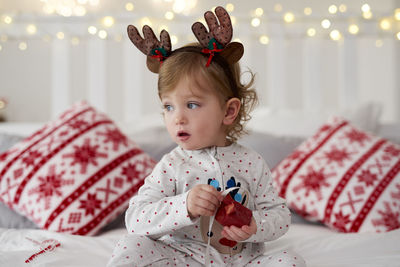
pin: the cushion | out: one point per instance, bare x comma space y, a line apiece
346, 178
75, 174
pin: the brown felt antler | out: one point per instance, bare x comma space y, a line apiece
155, 50
221, 33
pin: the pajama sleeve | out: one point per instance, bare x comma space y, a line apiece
156, 210
271, 213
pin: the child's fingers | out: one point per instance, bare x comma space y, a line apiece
236, 233
211, 190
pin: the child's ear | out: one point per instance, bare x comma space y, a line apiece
232, 108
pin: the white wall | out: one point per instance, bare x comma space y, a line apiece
50, 75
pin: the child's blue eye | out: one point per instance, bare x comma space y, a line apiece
192, 105
168, 107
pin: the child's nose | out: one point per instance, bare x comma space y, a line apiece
180, 119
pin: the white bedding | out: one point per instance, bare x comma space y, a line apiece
319, 246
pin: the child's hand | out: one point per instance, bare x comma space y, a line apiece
239, 234
203, 200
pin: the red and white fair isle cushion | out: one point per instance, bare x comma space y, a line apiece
75, 174
344, 177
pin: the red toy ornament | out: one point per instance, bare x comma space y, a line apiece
232, 212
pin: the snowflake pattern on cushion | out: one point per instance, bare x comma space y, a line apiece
345, 178
75, 174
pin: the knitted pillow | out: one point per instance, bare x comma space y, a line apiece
344, 177
75, 174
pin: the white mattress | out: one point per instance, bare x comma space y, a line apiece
319, 246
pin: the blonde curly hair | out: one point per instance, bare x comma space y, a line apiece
189, 61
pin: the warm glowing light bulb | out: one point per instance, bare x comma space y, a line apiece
169, 15
398, 36
22, 46
288, 17
60, 35
108, 21
255, 22
353, 29
311, 32
92, 30
367, 15
31, 29
335, 35
264, 39
230, 7
325, 23
342, 8
129, 7
365, 8
385, 24
7, 19
332, 9
307, 11
102, 34
397, 14
179, 6
1, 47
259, 12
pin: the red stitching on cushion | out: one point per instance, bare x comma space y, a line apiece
374, 197
88, 183
49, 156
346, 178
10, 163
285, 184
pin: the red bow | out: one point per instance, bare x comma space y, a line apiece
211, 52
159, 56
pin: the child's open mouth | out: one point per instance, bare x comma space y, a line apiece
183, 136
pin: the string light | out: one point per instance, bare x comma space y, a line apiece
230, 7
1, 47
385, 24
342, 8
7, 19
102, 34
75, 41
288, 17
259, 12
255, 22
129, 6
264, 39
353, 29
311, 32
60, 35
169, 15
92, 30
398, 36
332, 9
325, 23
22, 46
335, 35
397, 14
233, 20
365, 8
307, 11
31, 29
108, 21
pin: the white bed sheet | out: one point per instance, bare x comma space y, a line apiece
319, 246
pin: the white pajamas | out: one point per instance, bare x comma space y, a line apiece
160, 230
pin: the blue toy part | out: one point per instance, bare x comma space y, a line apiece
214, 183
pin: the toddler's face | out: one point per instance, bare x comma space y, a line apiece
194, 116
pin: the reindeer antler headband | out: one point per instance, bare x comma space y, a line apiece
216, 40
